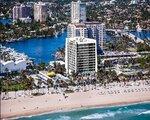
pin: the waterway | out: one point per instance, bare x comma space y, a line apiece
40, 49
5, 21
43, 49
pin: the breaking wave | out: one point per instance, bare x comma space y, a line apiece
98, 116
63, 118
109, 114
146, 112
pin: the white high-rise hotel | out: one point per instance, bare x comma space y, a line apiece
81, 55
40, 12
81, 49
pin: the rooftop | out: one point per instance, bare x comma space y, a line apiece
82, 40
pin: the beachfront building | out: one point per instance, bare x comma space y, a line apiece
78, 12
21, 11
40, 12
81, 55
94, 30
9, 66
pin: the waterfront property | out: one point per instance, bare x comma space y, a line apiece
12, 61
79, 27
81, 55
42, 88
10, 66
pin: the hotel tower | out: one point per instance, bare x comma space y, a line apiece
81, 55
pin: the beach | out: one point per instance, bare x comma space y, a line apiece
99, 96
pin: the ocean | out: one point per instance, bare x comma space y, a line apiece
140, 111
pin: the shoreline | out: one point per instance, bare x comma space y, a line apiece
81, 108
28, 106
26, 38
32, 37
46, 36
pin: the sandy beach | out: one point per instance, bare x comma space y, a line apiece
113, 94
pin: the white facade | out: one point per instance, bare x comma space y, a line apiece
81, 55
10, 66
94, 30
78, 12
40, 12
77, 30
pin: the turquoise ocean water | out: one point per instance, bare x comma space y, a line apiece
139, 111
